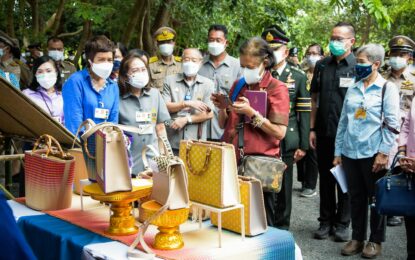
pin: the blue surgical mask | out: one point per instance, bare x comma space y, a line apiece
337, 48
397, 63
363, 71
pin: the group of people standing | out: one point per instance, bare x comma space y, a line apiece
352, 117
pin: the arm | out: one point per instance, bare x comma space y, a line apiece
72, 104
113, 117
163, 115
404, 135
341, 128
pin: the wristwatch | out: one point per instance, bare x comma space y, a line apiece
189, 119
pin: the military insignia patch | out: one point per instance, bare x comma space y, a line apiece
269, 37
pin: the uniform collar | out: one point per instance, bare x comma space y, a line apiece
180, 78
226, 61
281, 69
349, 59
144, 92
168, 64
379, 82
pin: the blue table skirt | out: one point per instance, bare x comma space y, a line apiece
53, 238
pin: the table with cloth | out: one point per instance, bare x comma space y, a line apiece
75, 234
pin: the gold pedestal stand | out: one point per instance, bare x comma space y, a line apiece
169, 237
122, 221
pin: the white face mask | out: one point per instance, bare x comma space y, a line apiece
216, 48
40, 53
56, 55
190, 68
278, 55
166, 49
312, 60
252, 75
47, 80
397, 63
139, 79
102, 70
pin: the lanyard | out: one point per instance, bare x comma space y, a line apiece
44, 100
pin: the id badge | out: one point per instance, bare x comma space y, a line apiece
360, 113
142, 116
102, 113
346, 82
146, 129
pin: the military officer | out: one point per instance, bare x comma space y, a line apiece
10, 60
165, 63
295, 144
56, 52
400, 54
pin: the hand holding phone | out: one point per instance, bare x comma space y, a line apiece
222, 101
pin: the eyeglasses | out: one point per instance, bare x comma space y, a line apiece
340, 39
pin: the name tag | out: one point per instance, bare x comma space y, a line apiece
346, 82
102, 113
146, 129
142, 116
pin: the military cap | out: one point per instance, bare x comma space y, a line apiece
401, 43
164, 34
275, 36
293, 52
14, 43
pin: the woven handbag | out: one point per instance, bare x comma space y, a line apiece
49, 175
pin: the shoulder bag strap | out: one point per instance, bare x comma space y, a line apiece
384, 123
241, 83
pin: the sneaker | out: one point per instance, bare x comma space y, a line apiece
341, 234
394, 221
372, 250
308, 193
322, 232
352, 247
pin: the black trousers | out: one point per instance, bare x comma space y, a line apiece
361, 185
307, 170
410, 237
278, 205
331, 212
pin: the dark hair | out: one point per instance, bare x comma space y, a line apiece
140, 53
348, 26
97, 44
219, 27
123, 84
54, 39
36, 64
257, 47
122, 48
320, 50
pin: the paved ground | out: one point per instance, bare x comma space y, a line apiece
304, 222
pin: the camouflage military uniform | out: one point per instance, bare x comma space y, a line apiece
160, 70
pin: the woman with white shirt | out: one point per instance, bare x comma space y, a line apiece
46, 88
367, 129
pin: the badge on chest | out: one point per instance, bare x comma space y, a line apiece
141, 117
102, 113
360, 113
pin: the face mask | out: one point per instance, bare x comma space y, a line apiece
312, 60
117, 65
166, 49
337, 48
278, 55
190, 68
56, 55
216, 48
139, 79
40, 53
102, 70
47, 80
1, 53
363, 71
252, 75
397, 63
72, 57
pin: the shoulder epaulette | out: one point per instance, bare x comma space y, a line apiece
154, 59
178, 59
298, 70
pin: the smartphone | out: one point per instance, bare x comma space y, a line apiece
224, 99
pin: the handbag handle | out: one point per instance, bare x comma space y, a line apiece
188, 161
164, 146
49, 140
88, 124
144, 155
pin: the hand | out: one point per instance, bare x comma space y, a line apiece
337, 160
381, 161
313, 139
198, 105
219, 101
407, 164
179, 123
243, 107
299, 154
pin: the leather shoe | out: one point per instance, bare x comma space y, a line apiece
352, 247
394, 221
372, 250
322, 232
341, 234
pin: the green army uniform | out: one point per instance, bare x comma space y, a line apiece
298, 129
66, 69
19, 69
160, 70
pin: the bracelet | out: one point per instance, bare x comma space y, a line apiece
257, 120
